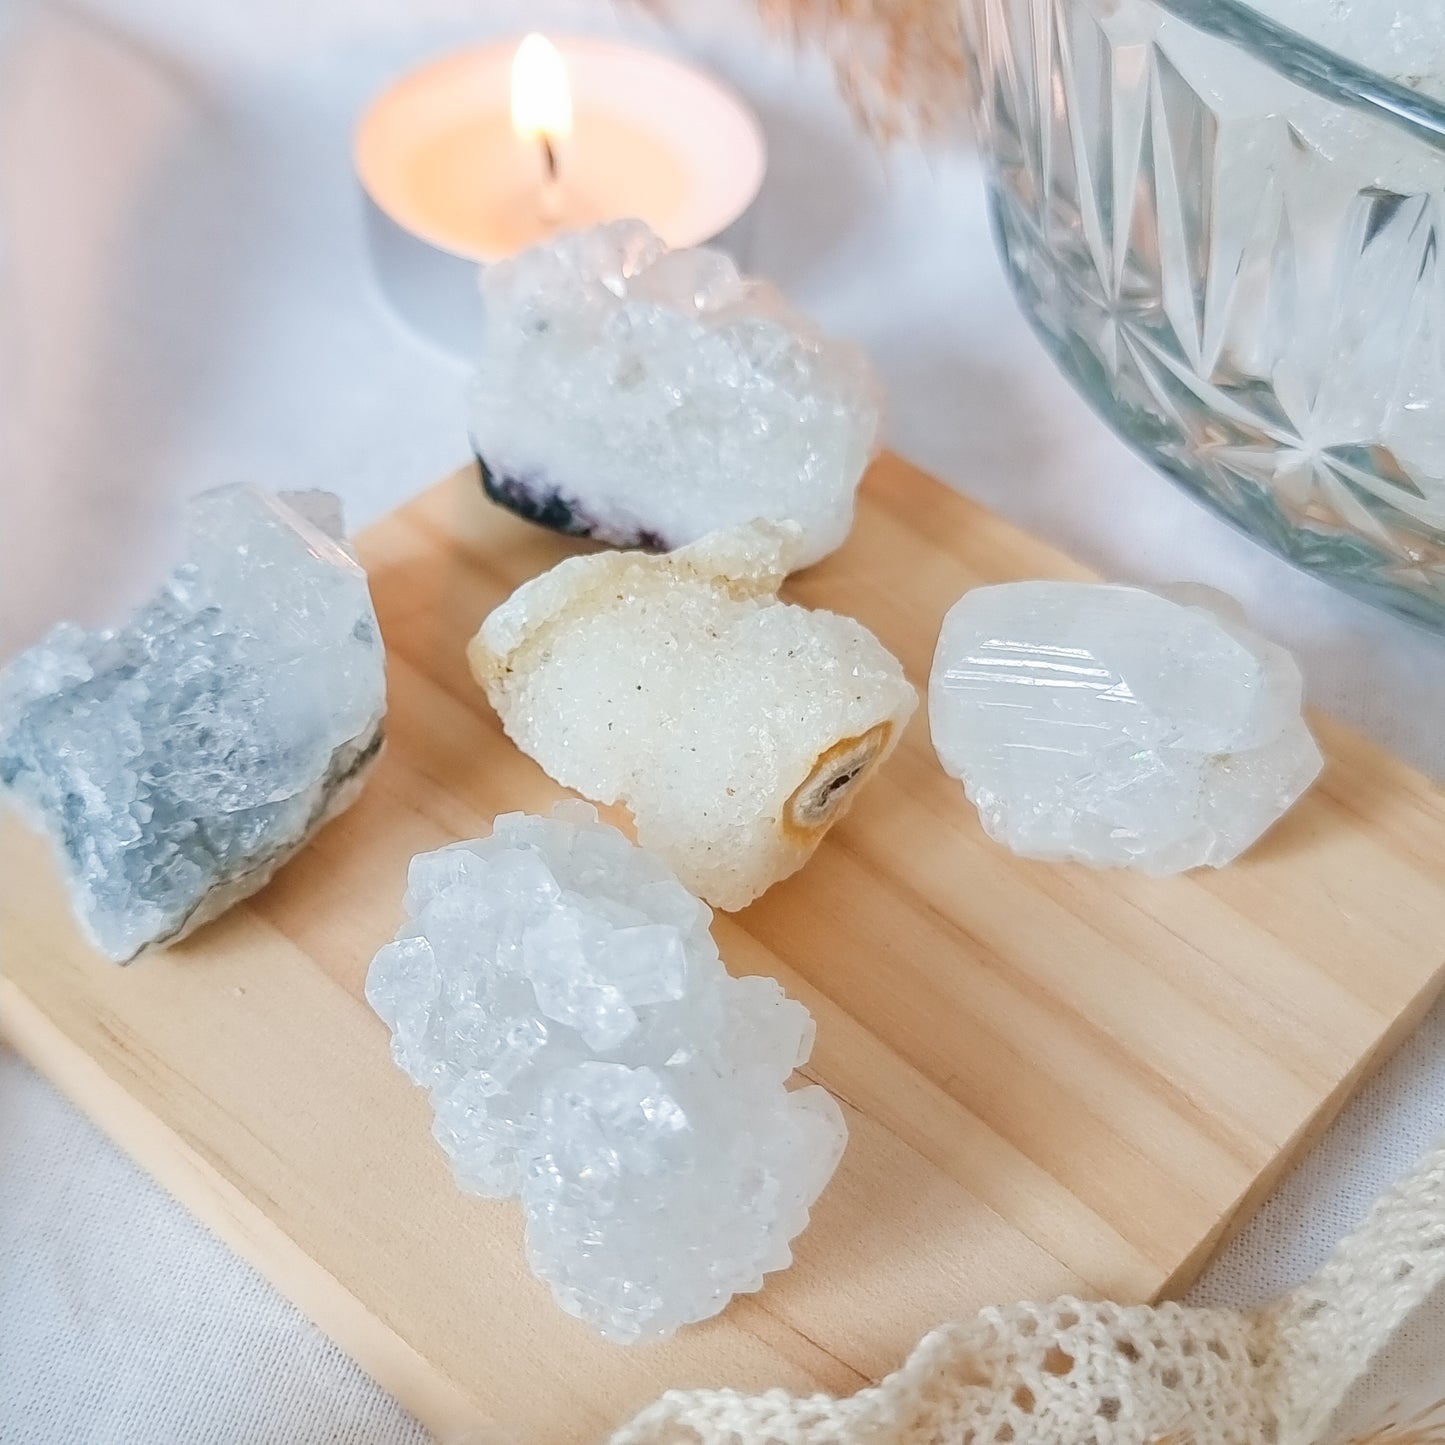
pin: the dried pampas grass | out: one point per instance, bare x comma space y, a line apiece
901, 64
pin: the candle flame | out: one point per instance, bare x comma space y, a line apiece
541, 97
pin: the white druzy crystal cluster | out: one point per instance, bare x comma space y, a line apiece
176, 762
646, 397
737, 728
1117, 727
559, 993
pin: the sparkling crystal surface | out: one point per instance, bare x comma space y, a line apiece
178, 760
646, 397
735, 727
559, 993
1117, 727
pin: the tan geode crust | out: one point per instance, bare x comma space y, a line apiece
737, 728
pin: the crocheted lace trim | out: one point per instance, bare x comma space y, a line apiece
1077, 1372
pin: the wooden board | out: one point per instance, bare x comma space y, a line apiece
1056, 1080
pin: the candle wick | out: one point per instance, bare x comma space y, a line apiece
551, 181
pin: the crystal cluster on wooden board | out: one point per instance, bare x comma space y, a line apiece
554, 986
1118, 727
177, 761
558, 992
646, 397
737, 728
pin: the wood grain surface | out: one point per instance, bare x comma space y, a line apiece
1056, 1080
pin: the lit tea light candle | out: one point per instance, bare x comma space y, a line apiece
542, 112
491, 150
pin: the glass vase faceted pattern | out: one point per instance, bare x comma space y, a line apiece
1230, 241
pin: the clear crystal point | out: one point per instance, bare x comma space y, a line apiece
1113, 726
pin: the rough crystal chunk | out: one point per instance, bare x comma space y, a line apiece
735, 727
176, 762
559, 993
646, 397
1117, 727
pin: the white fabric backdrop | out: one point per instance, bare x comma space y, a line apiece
185, 299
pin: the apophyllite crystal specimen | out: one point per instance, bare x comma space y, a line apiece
559, 993
176, 762
1118, 727
737, 728
646, 397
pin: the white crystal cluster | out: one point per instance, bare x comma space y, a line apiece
736, 728
178, 761
646, 397
559, 993
1117, 727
